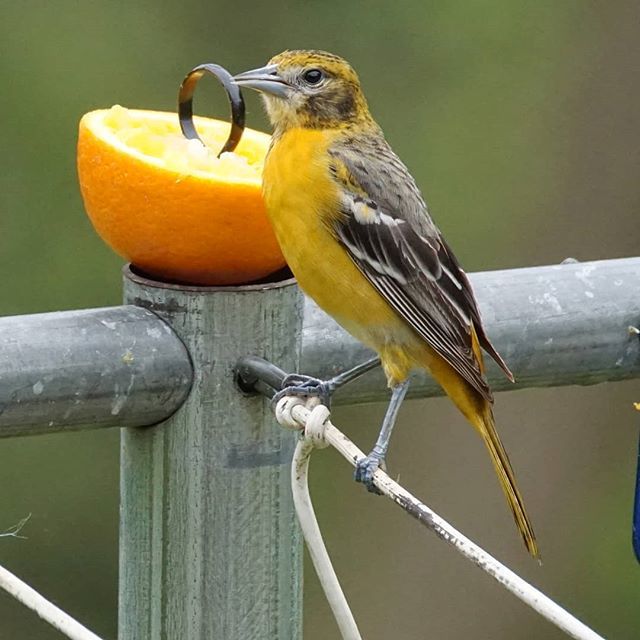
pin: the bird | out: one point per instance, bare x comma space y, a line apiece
358, 237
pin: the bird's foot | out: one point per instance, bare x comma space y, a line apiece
366, 468
297, 384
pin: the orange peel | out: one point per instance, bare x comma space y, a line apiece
169, 205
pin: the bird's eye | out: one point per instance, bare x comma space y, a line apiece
312, 76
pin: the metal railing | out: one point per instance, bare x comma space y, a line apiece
209, 547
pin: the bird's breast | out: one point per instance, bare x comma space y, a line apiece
298, 189
302, 200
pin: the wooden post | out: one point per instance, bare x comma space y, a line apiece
209, 546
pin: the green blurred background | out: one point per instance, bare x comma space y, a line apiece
520, 120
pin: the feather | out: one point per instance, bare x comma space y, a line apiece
389, 235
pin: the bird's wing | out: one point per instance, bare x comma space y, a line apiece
387, 231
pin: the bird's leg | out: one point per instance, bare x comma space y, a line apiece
297, 384
368, 466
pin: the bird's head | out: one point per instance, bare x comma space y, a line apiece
309, 89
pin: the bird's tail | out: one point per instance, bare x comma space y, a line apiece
484, 423
477, 410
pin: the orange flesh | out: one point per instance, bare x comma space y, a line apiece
169, 205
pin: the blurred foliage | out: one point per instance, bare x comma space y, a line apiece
518, 119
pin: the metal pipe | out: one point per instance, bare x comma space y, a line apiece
554, 325
87, 369
122, 366
209, 544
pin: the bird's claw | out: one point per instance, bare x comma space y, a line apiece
365, 470
297, 384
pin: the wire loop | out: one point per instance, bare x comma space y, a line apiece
284, 412
316, 424
298, 413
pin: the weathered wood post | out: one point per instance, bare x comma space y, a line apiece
209, 545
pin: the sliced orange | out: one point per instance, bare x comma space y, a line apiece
169, 205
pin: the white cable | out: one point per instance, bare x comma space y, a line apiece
292, 412
48, 611
313, 437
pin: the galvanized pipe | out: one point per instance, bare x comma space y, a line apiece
209, 544
122, 366
554, 325
87, 369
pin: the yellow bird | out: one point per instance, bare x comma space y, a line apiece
358, 237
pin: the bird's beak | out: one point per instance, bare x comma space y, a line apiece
266, 80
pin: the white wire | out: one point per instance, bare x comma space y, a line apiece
48, 611
317, 550
292, 413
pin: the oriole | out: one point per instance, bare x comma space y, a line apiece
357, 235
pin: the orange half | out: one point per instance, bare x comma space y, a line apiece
169, 205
